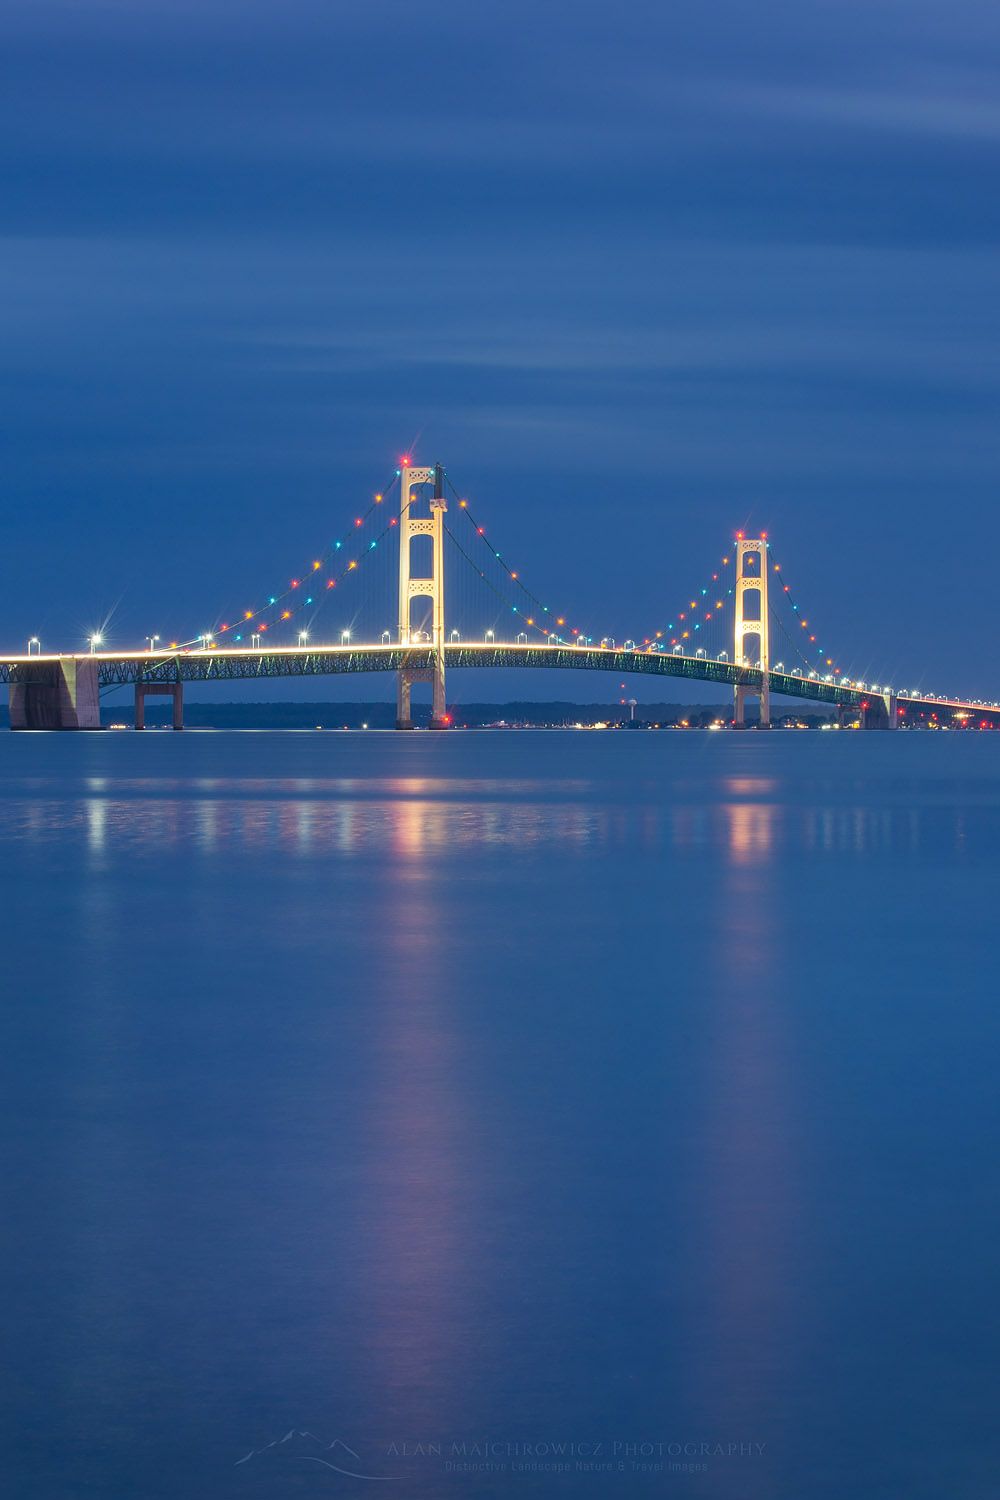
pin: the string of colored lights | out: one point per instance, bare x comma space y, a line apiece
480, 573
254, 621
686, 632
537, 605
691, 614
808, 639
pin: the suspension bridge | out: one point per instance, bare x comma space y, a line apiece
404, 543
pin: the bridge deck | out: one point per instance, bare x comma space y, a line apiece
122, 668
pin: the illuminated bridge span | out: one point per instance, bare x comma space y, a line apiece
745, 607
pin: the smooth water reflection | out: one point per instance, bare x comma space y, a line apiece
607, 1091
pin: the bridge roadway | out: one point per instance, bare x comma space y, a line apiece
227, 664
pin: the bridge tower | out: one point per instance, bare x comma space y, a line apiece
412, 525
751, 578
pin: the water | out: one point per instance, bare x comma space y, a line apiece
532, 1089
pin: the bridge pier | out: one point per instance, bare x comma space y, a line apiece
405, 678
59, 694
881, 711
174, 689
741, 694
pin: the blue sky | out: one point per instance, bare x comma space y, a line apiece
639, 274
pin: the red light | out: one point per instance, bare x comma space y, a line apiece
358, 521
405, 461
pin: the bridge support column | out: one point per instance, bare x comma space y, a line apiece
881, 711
751, 578
59, 694
432, 588
174, 689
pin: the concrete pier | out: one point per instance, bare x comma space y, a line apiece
175, 691
56, 695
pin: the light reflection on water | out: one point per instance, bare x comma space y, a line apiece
413, 825
526, 1088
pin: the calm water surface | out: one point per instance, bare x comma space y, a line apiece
467, 1098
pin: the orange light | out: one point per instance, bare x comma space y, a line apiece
560, 621
462, 504
378, 499
317, 566
351, 565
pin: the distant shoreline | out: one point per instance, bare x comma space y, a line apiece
377, 716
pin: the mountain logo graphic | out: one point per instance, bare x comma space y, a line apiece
301, 1446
